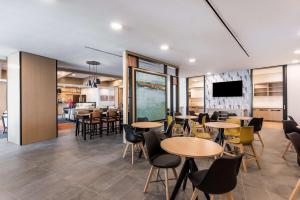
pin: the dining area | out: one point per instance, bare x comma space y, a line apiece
175, 149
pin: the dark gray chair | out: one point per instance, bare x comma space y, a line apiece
289, 126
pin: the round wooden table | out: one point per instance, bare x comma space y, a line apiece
221, 126
147, 124
186, 119
242, 118
189, 148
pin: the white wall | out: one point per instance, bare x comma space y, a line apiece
293, 96
13, 98
93, 95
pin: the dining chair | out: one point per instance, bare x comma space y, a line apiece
80, 122
169, 131
134, 140
177, 127
95, 124
295, 140
215, 116
110, 119
219, 179
292, 118
245, 139
232, 132
289, 126
199, 132
159, 159
257, 123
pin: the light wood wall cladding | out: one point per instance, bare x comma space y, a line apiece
38, 98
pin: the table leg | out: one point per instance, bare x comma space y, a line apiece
242, 123
220, 137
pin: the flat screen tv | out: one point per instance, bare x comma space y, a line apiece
150, 96
228, 89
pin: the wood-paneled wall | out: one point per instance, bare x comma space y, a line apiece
38, 98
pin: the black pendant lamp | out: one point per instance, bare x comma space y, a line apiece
95, 81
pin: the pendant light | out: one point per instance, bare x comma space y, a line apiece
95, 81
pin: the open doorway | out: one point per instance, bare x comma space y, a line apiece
74, 94
3, 101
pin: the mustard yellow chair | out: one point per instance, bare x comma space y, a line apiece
232, 132
199, 132
177, 128
245, 139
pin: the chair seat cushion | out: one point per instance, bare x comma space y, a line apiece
197, 177
165, 160
203, 135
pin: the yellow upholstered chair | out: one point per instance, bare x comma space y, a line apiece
245, 139
233, 132
199, 132
177, 128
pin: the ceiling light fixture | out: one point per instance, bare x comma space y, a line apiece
297, 51
116, 26
208, 73
164, 47
192, 60
95, 80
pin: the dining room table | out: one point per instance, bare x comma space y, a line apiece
221, 126
189, 148
243, 119
186, 119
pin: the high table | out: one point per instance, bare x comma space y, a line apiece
186, 119
189, 148
221, 126
241, 118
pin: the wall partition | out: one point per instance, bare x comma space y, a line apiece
150, 88
195, 96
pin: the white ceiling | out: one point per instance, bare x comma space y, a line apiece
61, 29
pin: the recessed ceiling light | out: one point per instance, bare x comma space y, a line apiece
297, 51
295, 61
164, 47
192, 60
116, 26
208, 73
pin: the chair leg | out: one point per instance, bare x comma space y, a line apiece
241, 147
175, 173
149, 178
295, 191
212, 197
143, 150
255, 155
195, 194
132, 153
125, 150
229, 196
286, 149
167, 184
260, 139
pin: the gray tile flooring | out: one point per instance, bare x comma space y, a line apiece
69, 168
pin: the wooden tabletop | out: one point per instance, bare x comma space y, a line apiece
147, 124
221, 125
83, 115
241, 118
191, 147
186, 117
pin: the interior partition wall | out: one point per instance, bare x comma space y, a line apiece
195, 95
133, 63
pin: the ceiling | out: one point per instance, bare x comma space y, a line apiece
60, 29
62, 74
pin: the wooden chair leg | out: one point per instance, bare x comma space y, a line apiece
167, 184
255, 155
241, 147
125, 150
260, 139
175, 173
286, 149
132, 153
229, 196
149, 178
143, 150
195, 194
295, 191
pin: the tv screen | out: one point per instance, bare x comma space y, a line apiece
228, 89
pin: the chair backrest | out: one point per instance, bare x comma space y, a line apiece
292, 118
290, 126
169, 120
112, 113
215, 116
193, 126
142, 119
96, 115
129, 133
295, 139
246, 135
257, 123
152, 144
222, 175
200, 117
168, 132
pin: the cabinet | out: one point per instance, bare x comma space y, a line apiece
268, 89
269, 114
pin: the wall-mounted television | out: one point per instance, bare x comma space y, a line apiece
228, 89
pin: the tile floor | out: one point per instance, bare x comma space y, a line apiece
69, 168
